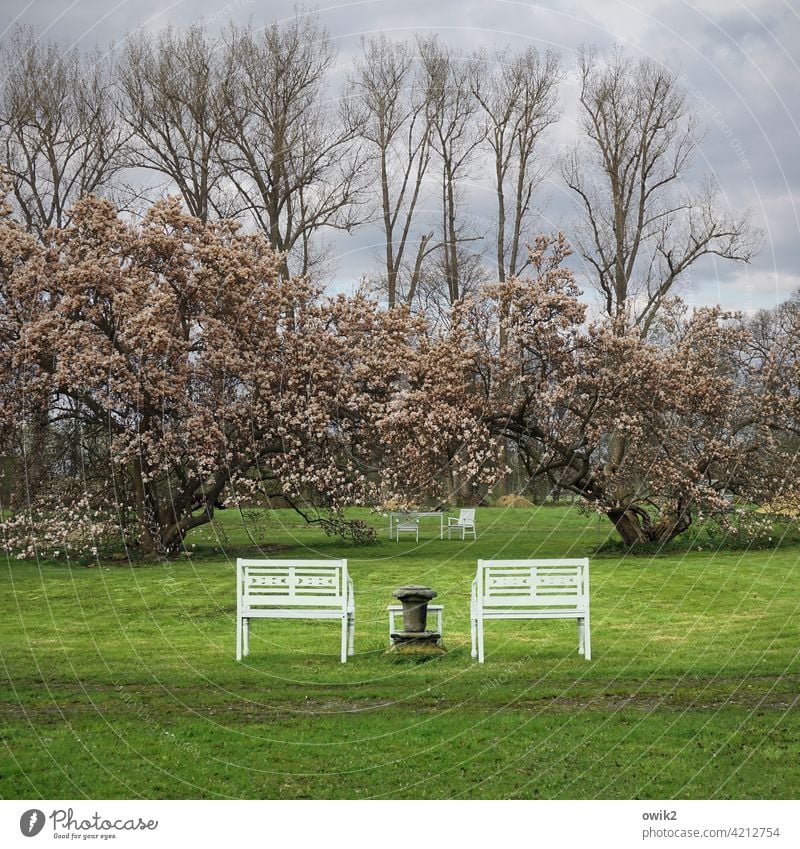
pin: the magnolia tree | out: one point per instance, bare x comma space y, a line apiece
150, 373
433, 445
191, 372
694, 411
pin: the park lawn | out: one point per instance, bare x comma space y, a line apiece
120, 681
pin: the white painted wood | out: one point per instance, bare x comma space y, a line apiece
399, 516
434, 514
293, 589
530, 589
416, 514
407, 524
464, 524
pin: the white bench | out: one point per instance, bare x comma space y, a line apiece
531, 589
293, 589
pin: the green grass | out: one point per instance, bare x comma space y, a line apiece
120, 681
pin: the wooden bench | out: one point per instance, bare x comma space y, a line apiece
293, 589
531, 589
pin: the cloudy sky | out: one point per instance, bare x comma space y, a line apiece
740, 62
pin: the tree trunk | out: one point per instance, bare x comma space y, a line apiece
36, 451
635, 527
505, 480
671, 525
629, 526
150, 543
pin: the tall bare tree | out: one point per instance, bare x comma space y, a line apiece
517, 98
59, 134
173, 86
455, 136
289, 150
388, 103
643, 227
516, 94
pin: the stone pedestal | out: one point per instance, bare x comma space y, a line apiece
415, 606
414, 639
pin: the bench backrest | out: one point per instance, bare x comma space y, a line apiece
292, 583
535, 584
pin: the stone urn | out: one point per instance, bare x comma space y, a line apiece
415, 606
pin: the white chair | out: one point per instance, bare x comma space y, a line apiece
531, 589
293, 589
463, 524
407, 524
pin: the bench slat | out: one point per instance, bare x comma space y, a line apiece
534, 603
293, 584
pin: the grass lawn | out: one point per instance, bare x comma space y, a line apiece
120, 682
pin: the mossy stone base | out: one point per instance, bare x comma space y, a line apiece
421, 643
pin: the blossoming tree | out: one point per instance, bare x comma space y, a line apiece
149, 372
650, 432
191, 371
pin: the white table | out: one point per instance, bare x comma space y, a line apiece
416, 514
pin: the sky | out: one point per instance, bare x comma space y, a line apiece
739, 62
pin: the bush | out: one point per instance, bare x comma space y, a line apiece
513, 500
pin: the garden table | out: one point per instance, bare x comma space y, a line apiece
418, 514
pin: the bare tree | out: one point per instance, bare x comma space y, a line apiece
59, 136
289, 149
516, 94
643, 228
517, 98
455, 136
388, 104
643, 225
173, 86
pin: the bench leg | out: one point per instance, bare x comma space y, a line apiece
581, 636
480, 640
473, 623
246, 635
344, 638
587, 640
351, 629
238, 637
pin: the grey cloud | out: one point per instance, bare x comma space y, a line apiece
740, 63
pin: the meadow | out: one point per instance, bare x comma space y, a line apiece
119, 680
